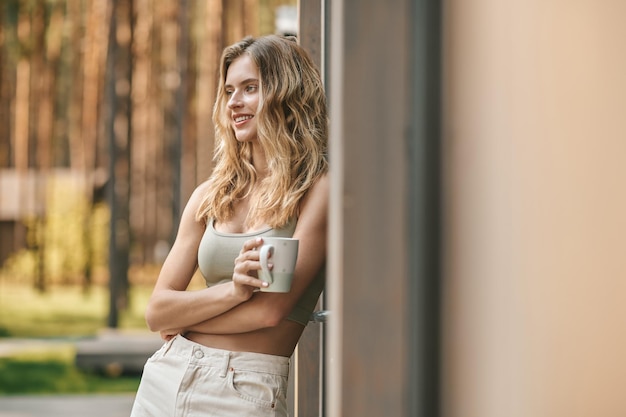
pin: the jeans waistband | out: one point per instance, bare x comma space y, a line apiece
225, 359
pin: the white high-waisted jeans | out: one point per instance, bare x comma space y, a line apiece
186, 379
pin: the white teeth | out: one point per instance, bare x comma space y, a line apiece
242, 118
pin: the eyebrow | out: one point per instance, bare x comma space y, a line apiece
244, 82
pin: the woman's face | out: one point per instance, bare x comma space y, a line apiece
242, 91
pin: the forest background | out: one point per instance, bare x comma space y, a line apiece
105, 130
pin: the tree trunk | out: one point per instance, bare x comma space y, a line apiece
143, 103
6, 81
119, 82
211, 39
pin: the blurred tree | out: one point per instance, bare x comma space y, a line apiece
85, 145
57, 120
5, 93
118, 132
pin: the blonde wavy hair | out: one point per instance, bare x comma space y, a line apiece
292, 127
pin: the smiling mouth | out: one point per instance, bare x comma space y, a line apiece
240, 119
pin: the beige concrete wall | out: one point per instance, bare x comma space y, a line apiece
535, 190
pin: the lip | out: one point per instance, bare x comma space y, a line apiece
247, 116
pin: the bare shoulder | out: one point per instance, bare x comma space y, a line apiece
197, 197
315, 203
321, 185
200, 192
191, 208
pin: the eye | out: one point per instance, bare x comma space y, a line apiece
251, 88
228, 92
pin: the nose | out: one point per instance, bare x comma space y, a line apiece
234, 100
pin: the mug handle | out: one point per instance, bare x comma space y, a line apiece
266, 251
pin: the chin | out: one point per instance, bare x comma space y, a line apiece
245, 138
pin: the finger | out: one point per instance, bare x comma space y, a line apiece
247, 262
251, 244
248, 253
243, 279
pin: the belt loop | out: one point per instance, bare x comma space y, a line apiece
225, 365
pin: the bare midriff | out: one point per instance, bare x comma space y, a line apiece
280, 340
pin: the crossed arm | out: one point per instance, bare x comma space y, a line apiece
234, 307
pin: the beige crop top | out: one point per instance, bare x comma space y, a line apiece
216, 258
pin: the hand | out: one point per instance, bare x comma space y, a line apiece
245, 278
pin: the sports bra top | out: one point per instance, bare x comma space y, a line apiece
217, 253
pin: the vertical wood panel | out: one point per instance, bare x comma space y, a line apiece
368, 279
311, 28
424, 220
307, 360
306, 374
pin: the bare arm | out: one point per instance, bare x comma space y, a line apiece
269, 309
171, 305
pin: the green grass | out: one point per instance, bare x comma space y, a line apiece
64, 311
63, 314
51, 371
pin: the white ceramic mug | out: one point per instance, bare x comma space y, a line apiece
283, 253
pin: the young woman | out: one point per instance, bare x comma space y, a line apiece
228, 346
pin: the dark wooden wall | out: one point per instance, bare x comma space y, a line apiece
307, 362
382, 290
